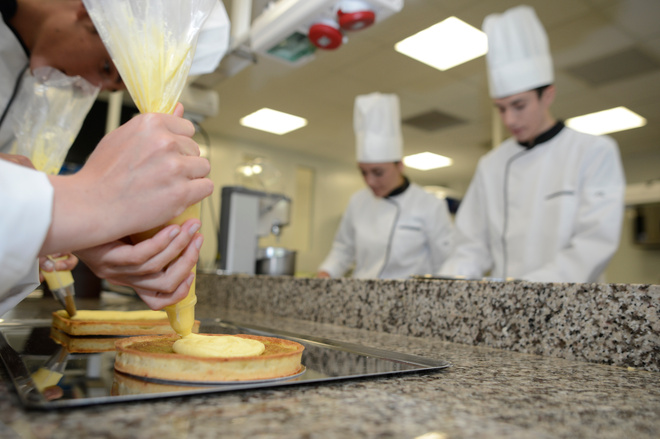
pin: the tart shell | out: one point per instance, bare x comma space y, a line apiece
152, 357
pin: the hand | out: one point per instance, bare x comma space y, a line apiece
67, 263
157, 268
323, 275
140, 176
17, 159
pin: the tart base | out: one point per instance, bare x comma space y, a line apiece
152, 357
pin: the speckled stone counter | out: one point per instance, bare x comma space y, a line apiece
602, 323
487, 393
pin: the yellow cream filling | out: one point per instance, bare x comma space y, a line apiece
119, 315
212, 346
44, 378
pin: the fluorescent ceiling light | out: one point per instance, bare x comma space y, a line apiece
426, 160
445, 45
273, 121
607, 121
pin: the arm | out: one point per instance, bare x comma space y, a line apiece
342, 254
597, 228
69, 261
26, 196
471, 256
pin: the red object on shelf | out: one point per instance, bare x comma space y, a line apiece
325, 36
356, 20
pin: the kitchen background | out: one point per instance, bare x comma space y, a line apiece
606, 54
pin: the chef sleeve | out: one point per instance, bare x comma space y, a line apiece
27, 199
342, 254
471, 255
598, 224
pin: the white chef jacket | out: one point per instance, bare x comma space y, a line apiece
27, 199
551, 213
391, 238
13, 60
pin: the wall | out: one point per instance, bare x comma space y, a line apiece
633, 263
334, 183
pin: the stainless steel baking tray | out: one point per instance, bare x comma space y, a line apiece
90, 379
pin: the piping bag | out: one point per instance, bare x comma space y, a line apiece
51, 108
152, 43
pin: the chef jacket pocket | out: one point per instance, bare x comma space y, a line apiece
557, 194
409, 239
410, 227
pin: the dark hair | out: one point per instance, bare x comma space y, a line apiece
541, 89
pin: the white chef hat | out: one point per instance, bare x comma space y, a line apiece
212, 42
377, 126
518, 52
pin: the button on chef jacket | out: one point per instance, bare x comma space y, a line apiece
550, 213
392, 237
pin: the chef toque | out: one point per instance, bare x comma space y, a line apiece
212, 42
377, 126
518, 52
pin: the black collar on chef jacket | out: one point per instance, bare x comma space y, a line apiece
401, 189
8, 9
545, 136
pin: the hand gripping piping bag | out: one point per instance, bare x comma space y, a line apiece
152, 43
51, 108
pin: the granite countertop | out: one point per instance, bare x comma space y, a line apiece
487, 393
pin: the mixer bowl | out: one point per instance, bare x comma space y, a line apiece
276, 261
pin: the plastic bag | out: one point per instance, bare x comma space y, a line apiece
51, 108
152, 43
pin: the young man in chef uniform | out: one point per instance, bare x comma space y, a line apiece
393, 228
60, 34
547, 204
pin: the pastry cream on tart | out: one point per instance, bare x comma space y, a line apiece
208, 357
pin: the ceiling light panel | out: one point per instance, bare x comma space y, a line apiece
445, 45
273, 121
607, 121
426, 160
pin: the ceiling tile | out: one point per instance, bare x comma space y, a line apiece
591, 37
640, 18
323, 91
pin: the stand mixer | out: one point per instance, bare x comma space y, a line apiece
245, 216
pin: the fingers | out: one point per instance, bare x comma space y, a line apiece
123, 263
170, 278
156, 253
198, 189
157, 300
176, 123
58, 262
178, 110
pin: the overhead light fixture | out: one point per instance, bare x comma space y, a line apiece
607, 121
273, 121
426, 160
445, 45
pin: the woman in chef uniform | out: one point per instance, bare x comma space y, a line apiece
393, 228
547, 204
59, 34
